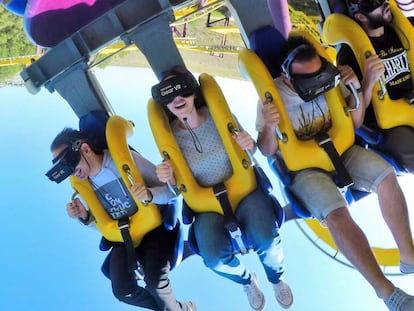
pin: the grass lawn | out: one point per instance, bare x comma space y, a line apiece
225, 66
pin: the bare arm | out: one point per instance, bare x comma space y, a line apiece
374, 69
349, 77
155, 190
266, 140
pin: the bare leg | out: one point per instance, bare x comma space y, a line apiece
395, 213
354, 245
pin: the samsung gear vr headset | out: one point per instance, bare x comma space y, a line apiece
65, 163
183, 84
310, 86
363, 6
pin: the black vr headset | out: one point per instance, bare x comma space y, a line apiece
363, 6
65, 163
310, 86
183, 85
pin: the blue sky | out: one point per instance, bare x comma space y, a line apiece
50, 262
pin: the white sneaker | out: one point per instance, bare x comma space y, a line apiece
400, 301
283, 294
254, 294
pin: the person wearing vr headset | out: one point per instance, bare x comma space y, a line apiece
199, 140
391, 62
76, 153
315, 188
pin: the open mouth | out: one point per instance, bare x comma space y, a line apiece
78, 173
179, 105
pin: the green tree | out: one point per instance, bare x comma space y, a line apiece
13, 42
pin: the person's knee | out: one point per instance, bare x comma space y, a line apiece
122, 294
212, 262
408, 165
388, 182
156, 281
213, 253
263, 238
338, 217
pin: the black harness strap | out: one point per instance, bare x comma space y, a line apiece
230, 221
123, 225
343, 179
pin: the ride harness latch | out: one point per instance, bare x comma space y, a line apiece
230, 221
123, 225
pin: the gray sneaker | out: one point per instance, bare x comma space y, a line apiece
283, 294
400, 301
187, 305
406, 268
254, 294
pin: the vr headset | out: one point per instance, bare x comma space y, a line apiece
182, 85
310, 86
367, 6
65, 163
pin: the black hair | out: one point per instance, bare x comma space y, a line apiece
306, 53
199, 100
69, 135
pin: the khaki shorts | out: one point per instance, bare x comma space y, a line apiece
320, 194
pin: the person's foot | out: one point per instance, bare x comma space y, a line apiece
254, 294
400, 301
188, 305
193, 306
406, 268
283, 294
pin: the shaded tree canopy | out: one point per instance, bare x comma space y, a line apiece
13, 42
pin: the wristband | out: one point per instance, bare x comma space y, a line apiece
150, 200
359, 90
88, 219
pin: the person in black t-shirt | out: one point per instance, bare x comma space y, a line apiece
391, 61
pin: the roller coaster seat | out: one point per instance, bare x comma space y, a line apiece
16, 6
367, 137
94, 123
179, 253
373, 139
263, 182
67, 17
276, 162
279, 168
266, 43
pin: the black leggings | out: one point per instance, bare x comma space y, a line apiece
154, 254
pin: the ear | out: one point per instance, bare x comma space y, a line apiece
359, 17
85, 148
284, 77
286, 81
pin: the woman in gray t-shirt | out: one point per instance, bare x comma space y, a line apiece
201, 145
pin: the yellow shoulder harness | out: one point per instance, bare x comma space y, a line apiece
339, 28
299, 154
148, 216
202, 199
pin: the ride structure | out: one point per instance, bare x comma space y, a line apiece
66, 65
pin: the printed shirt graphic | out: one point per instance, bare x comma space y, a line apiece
307, 118
310, 118
394, 56
113, 194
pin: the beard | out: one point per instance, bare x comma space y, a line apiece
378, 21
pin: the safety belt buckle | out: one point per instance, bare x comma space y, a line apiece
236, 233
324, 140
123, 226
